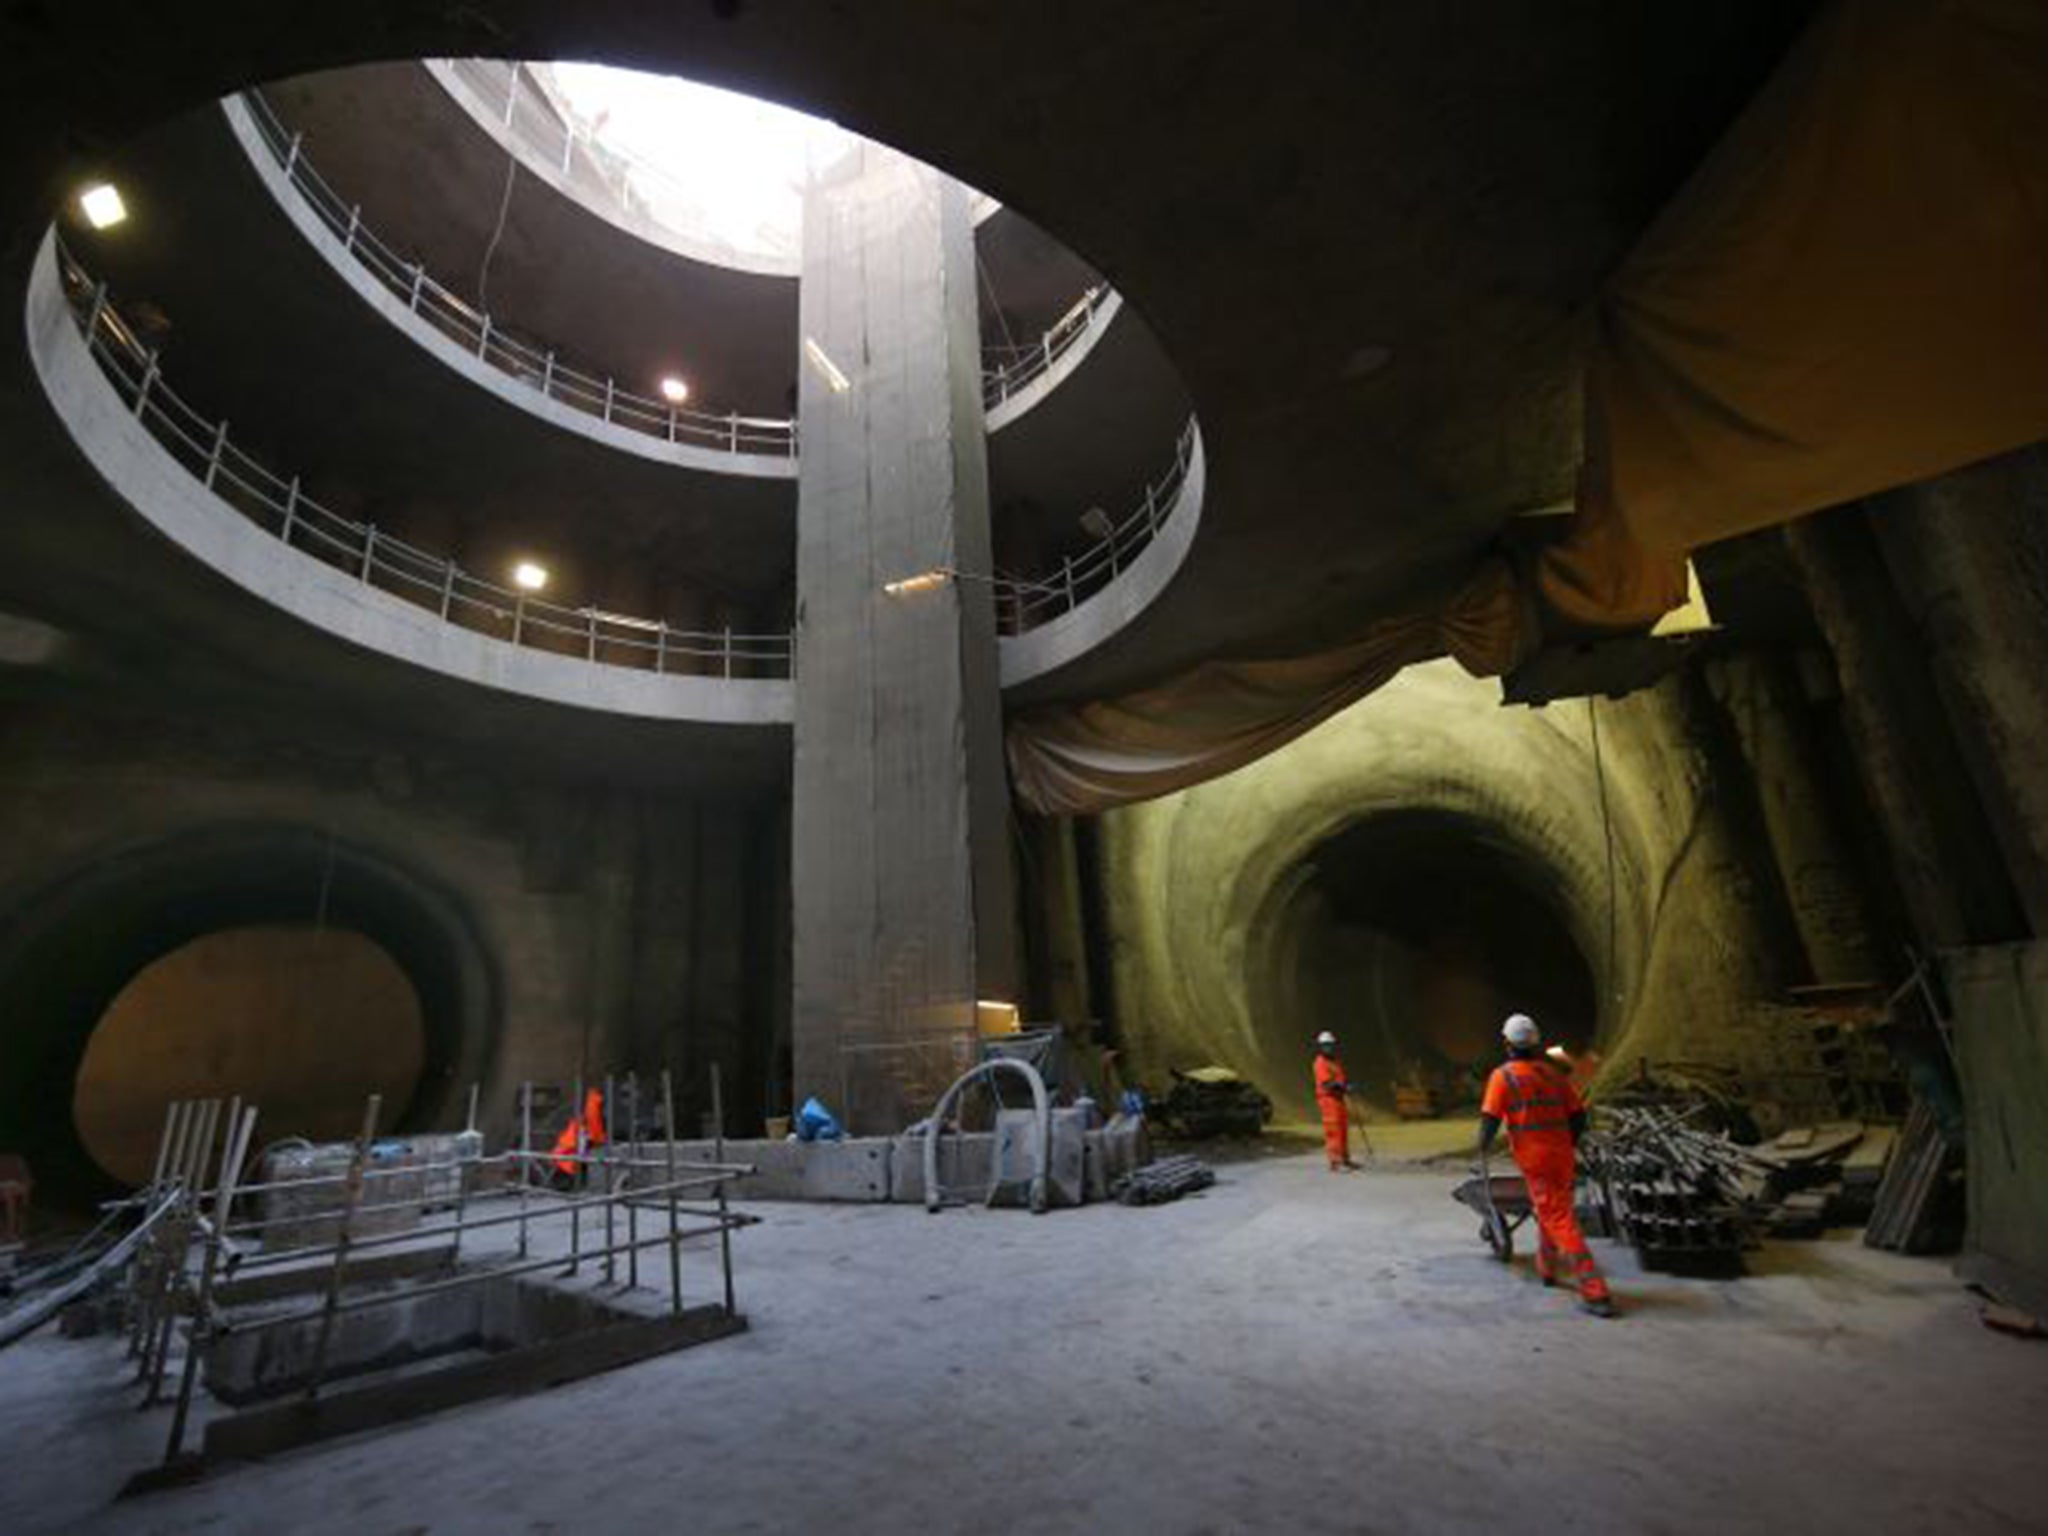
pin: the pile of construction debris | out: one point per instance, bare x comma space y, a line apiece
1208, 1102
1692, 1199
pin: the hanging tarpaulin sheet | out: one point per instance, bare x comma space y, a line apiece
1852, 291
1999, 997
1078, 759
1851, 294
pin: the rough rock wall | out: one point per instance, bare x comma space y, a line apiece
1204, 887
597, 927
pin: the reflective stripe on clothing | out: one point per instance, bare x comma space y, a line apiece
1533, 1100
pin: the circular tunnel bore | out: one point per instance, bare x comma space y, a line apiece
305, 1022
1412, 935
277, 961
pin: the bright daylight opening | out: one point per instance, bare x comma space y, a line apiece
703, 159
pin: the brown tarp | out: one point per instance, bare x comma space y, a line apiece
1850, 294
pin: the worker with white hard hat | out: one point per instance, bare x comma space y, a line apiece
1332, 1092
1534, 1098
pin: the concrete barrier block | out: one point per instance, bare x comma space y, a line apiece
1017, 1156
964, 1163
855, 1169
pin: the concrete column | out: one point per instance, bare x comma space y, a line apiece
1968, 553
1954, 883
1767, 710
902, 899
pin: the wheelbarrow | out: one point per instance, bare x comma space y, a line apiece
1501, 1201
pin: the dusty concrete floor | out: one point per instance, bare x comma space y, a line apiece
1292, 1351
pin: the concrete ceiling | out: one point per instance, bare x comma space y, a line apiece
381, 430
431, 182
1366, 235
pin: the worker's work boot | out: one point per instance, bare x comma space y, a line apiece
1599, 1306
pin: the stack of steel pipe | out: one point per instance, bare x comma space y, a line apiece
1167, 1179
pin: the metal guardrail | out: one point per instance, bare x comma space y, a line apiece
536, 365
1000, 381
533, 117
377, 558
1023, 604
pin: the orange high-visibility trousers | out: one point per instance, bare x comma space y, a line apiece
1548, 1164
1336, 1129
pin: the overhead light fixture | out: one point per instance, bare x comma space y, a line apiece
529, 576
923, 581
996, 1018
827, 370
674, 390
102, 206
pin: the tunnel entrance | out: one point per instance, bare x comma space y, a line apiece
1412, 935
303, 1021
314, 967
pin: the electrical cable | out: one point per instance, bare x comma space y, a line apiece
1607, 835
483, 271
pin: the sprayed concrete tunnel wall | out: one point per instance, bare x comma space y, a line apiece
550, 927
1217, 904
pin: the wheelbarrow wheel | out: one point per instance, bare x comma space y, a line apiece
1493, 1228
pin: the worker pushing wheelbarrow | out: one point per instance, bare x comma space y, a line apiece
1544, 1117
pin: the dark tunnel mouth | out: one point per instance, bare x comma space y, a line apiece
81, 941
1417, 931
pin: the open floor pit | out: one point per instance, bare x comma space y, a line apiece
1287, 1351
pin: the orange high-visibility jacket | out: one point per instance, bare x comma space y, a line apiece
1534, 1101
590, 1123
1329, 1071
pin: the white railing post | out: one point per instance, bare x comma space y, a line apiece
291, 510
220, 442
95, 311
1151, 511
735, 431
661, 646
547, 374
671, 423
608, 398
419, 279
355, 222
518, 615
483, 339
447, 587
369, 552
590, 648
149, 373
728, 650
1067, 580
291, 154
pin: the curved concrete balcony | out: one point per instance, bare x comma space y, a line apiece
1054, 620
1013, 388
532, 376
487, 353
519, 108
182, 476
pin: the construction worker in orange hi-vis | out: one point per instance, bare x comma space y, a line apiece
580, 1135
1545, 1117
1332, 1095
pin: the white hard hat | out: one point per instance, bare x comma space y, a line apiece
1520, 1031
1326, 1038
